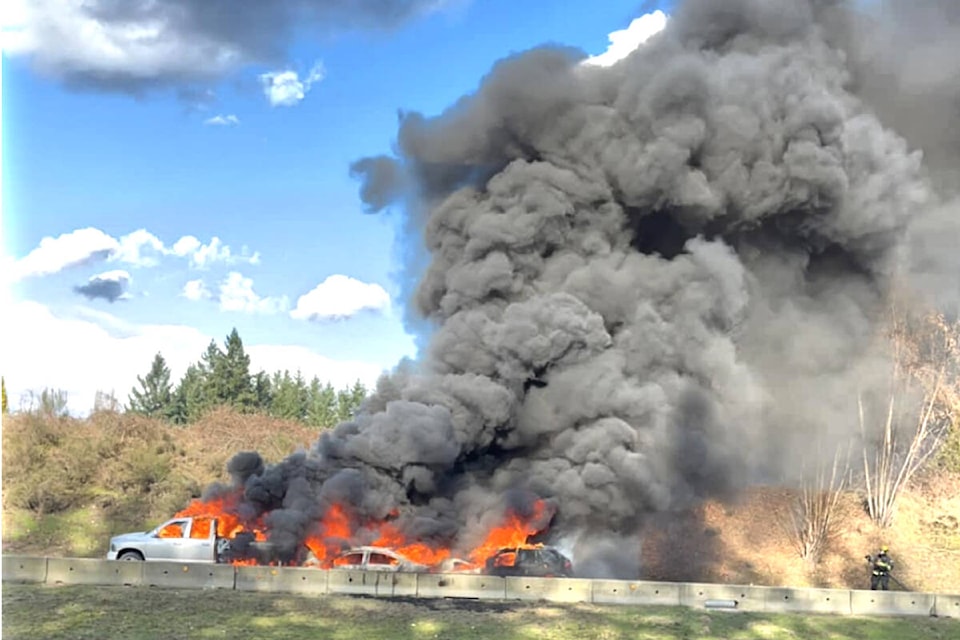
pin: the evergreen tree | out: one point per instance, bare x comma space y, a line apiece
3, 384
262, 391
232, 372
344, 405
322, 404
189, 399
154, 397
210, 363
358, 394
290, 396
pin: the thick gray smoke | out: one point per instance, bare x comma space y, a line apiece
646, 284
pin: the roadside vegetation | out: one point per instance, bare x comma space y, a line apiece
70, 483
53, 613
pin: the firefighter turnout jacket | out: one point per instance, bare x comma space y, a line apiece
882, 564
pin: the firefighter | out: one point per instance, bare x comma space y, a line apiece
881, 566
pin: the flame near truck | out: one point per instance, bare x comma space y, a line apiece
200, 539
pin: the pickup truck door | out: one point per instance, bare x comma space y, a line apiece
195, 549
166, 540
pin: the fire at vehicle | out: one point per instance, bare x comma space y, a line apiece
213, 531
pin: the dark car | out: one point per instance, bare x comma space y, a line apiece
544, 562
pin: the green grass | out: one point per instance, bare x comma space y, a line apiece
102, 613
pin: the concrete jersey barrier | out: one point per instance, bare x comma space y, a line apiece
92, 571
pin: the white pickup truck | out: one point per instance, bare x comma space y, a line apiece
180, 539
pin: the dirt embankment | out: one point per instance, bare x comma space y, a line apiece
748, 541
68, 485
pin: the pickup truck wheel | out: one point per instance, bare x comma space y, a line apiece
131, 556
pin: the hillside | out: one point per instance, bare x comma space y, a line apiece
68, 485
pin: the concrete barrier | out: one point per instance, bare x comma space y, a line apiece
784, 599
744, 598
24, 569
348, 582
93, 571
304, 580
891, 603
636, 592
189, 575
549, 589
946, 605
397, 584
286, 579
460, 585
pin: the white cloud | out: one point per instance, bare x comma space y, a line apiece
185, 246
625, 41
196, 290
237, 294
106, 353
285, 89
340, 296
221, 120
203, 255
139, 248
67, 250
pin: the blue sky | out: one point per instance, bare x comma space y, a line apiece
130, 167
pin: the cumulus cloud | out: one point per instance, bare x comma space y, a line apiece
110, 286
285, 88
237, 294
139, 249
624, 41
203, 255
136, 45
340, 296
108, 353
222, 120
196, 290
76, 248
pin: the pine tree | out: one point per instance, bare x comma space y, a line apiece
263, 391
3, 385
189, 400
290, 396
358, 394
210, 363
233, 375
154, 397
321, 405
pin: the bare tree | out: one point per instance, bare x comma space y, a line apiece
812, 521
920, 406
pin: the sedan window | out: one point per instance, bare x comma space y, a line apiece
382, 558
351, 559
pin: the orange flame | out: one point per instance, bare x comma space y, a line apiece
337, 529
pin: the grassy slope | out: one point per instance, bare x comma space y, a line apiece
50, 613
85, 481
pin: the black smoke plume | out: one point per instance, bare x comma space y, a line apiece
644, 285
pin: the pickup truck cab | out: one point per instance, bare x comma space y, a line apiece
177, 540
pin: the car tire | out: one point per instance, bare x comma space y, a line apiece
130, 556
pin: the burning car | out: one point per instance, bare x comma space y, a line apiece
376, 559
546, 562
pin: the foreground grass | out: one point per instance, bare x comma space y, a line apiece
77, 612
